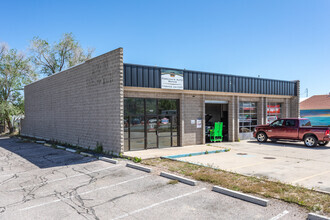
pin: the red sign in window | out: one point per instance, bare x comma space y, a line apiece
273, 109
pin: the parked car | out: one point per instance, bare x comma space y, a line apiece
299, 129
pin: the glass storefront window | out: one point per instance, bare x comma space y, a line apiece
134, 106
151, 106
167, 107
136, 127
273, 112
247, 116
150, 123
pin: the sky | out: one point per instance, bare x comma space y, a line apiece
277, 39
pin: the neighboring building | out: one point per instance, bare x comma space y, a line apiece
130, 107
317, 109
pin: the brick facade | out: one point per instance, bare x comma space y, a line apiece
80, 106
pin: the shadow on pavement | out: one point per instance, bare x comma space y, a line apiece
290, 144
39, 155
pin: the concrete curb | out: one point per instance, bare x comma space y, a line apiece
86, 154
60, 147
138, 167
71, 150
108, 160
40, 142
179, 178
313, 216
239, 195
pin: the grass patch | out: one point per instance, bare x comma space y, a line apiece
310, 199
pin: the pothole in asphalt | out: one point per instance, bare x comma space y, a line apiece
241, 154
269, 158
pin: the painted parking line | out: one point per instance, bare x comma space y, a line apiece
84, 193
158, 203
15, 174
64, 178
285, 212
308, 177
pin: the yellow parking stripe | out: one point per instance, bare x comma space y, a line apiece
308, 177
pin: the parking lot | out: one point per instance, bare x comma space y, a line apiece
289, 162
38, 182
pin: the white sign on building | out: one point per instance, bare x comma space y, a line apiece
171, 79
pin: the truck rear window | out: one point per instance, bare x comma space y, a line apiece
305, 123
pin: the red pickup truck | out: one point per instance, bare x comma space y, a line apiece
299, 129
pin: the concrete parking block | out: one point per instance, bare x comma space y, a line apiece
313, 216
242, 196
108, 160
60, 147
86, 154
179, 178
40, 142
47, 145
138, 167
71, 150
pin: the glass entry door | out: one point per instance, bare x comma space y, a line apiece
161, 131
152, 140
164, 131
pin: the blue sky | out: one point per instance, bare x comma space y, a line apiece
278, 39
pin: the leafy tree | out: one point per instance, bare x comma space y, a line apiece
50, 59
15, 73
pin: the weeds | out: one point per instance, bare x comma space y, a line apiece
99, 148
173, 182
137, 160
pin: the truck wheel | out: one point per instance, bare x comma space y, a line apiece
310, 141
323, 143
261, 137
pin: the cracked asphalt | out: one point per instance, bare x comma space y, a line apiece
38, 182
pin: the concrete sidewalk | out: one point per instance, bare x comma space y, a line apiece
161, 152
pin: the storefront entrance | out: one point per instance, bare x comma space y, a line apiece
216, 111
150, 123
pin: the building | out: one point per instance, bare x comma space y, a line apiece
129, 107
316, 109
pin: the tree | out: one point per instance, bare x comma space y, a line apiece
50, 59
15, 73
